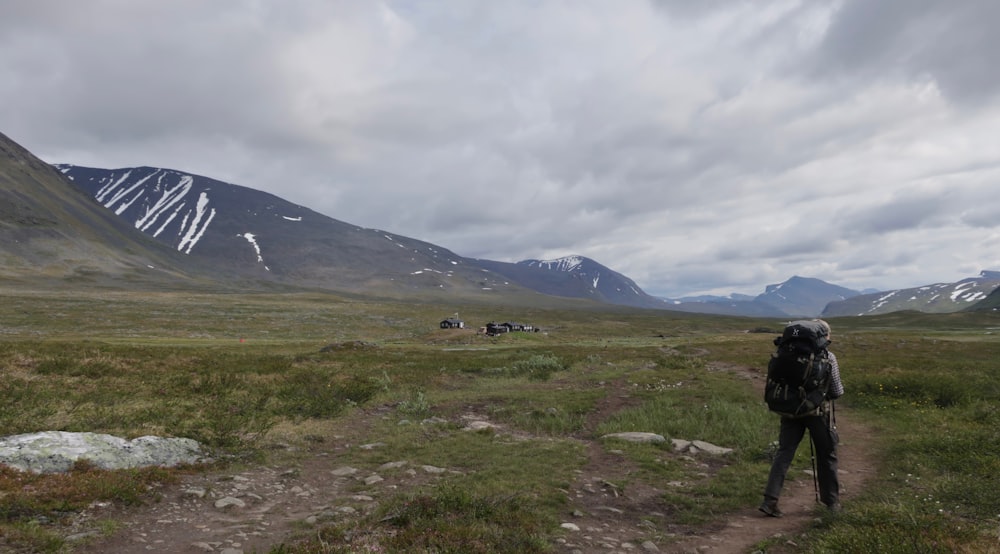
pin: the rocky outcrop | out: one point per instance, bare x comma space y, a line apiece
57, 451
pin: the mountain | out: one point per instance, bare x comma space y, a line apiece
936, 298
261, 235
51, 231
726, 306
796, 297
990, 303
575, 276
803, 296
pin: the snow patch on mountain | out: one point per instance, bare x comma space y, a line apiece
568, 263
164, 195
196, 229
252, 239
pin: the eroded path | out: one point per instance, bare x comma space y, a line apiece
617, 520
798, 501
256, 509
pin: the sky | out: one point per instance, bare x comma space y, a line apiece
696, 147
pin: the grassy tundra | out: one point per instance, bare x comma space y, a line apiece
240, 372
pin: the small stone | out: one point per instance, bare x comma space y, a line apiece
479, 426
680, 445
344, 471
650, 438
229, 502
570, 526
710, 448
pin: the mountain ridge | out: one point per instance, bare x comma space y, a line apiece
267, 237
50, 230
150, 220
935, 298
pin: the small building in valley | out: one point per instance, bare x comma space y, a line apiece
493, 329
452, 323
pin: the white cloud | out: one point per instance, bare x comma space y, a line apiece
709, 146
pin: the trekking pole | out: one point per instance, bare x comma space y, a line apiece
812, 457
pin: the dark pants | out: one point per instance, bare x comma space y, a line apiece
824, 439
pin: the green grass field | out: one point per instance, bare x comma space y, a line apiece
238, 371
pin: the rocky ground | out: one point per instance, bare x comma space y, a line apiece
255, 509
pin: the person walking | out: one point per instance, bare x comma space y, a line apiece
822, 433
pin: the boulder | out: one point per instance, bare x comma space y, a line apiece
56, 451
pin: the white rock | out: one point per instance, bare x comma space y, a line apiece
56, 451
479, 426
636, 437
680, 445
711, 448
229, 502
570, 526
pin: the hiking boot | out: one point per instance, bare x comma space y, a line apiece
834, 508
770, 508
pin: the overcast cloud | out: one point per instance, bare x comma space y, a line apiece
712, 146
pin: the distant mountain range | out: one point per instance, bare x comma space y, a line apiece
796, 297
166, 228
807, 297
936, 298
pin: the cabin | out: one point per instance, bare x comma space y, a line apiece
493, 329
453, 323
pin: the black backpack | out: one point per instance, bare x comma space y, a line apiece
798, 374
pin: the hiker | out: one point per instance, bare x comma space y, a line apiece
822, 433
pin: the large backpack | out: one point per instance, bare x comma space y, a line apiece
798, 374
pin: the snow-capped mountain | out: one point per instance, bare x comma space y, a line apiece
576, 276
261, 235
990, 303
936, 298
264, 236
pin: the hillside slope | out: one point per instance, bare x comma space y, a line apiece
578, 277
50, 230
260, 235
936, 298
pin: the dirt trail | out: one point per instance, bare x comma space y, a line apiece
256, 509
613, 519
798, 500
